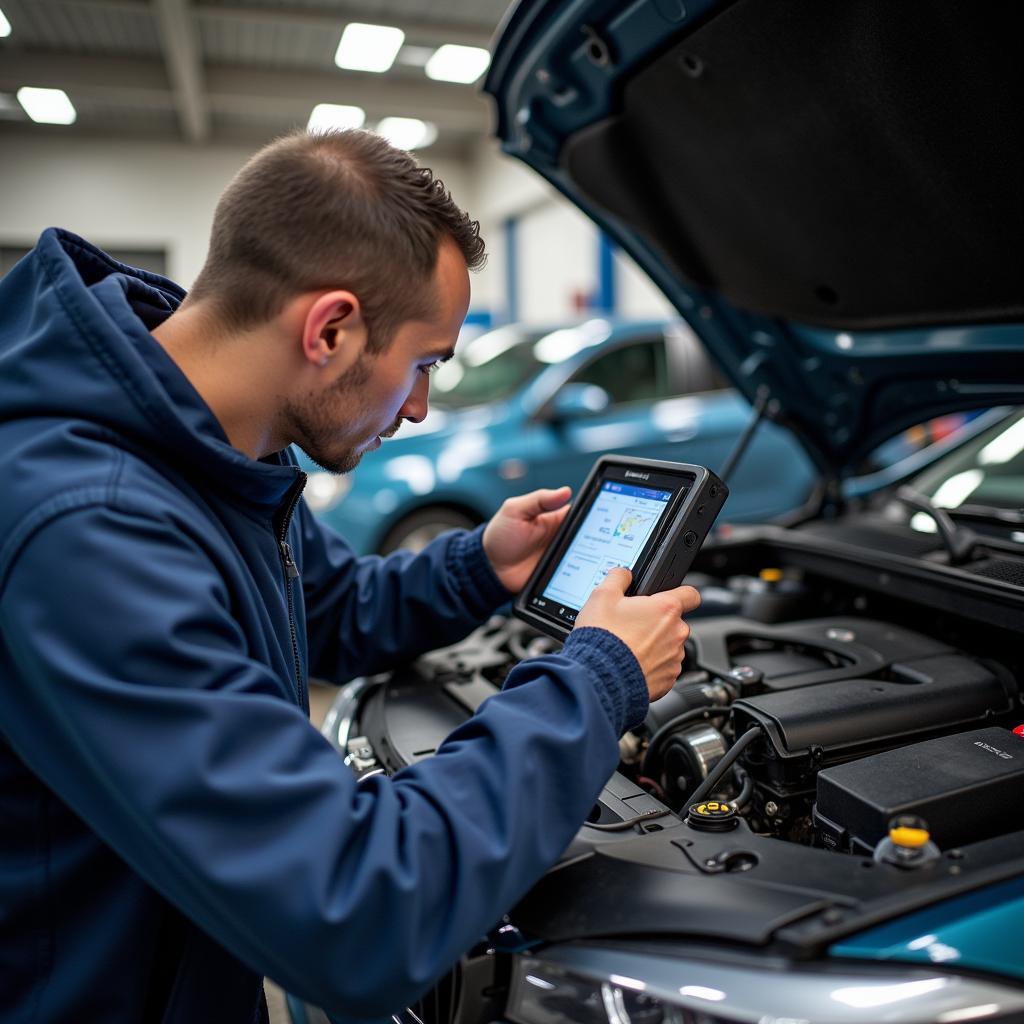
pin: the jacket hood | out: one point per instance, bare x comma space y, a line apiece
832, 198
76, 347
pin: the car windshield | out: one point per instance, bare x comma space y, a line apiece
985, 473
489, 368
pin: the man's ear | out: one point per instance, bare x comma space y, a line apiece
333, 329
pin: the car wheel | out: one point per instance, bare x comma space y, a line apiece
419, 528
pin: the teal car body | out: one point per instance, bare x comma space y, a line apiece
973, 932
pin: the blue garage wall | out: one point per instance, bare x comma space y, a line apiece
511, 303
605, 300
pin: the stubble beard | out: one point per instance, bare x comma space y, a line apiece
314, 426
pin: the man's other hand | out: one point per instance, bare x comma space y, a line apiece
520, 530
651, 627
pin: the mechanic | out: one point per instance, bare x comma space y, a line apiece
172, 827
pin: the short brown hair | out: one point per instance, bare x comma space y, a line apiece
340, 209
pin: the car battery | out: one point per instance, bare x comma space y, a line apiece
967, 787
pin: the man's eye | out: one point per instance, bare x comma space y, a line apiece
429, 368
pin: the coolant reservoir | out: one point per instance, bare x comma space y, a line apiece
908, 844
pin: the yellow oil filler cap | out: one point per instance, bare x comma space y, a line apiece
712, 816
770, 575
905, 835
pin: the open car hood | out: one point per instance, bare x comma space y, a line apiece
831, 196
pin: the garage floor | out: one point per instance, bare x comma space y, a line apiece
320, 698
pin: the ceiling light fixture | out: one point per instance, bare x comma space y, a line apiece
368, 47
328, 117
47, 106
452, 63
5, 25
407, 132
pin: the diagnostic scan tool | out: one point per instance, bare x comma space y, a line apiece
650, 517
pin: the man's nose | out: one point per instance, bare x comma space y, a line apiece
415, 406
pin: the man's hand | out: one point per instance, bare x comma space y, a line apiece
520, 530
651, 627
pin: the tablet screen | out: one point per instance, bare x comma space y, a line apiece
613, 533
630, 512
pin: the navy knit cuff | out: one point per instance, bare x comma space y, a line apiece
620, 680
477, 583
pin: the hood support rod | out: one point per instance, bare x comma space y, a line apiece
761, 409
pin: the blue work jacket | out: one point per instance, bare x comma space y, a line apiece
172, 828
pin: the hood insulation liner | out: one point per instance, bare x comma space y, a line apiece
851, 165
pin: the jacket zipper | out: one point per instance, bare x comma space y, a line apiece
291, 572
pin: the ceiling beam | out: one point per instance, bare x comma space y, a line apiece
244, 91
418, 33
100, 78
113, 6
250, 136
184, 67
273, 92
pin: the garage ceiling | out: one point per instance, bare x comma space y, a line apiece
237, 71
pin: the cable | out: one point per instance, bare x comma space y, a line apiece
746, 788
621, 826
659, 738
723, 766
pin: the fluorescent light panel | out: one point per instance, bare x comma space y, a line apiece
5, 25
407, 132
368, 47
452, 63
47, 106
333, 116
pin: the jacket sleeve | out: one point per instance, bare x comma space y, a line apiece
128, 691
427, 600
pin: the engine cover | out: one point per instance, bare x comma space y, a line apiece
874, 687
808, 653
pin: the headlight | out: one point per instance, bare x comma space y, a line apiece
325, 490
576, 985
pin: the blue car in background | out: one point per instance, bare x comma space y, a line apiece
524, 407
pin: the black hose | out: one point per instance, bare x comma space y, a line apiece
701, 714
723, 766
746, 788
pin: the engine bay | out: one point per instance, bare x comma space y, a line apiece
813, 714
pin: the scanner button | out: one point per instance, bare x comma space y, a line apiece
689, 538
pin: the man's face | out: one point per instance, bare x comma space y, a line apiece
336, 426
